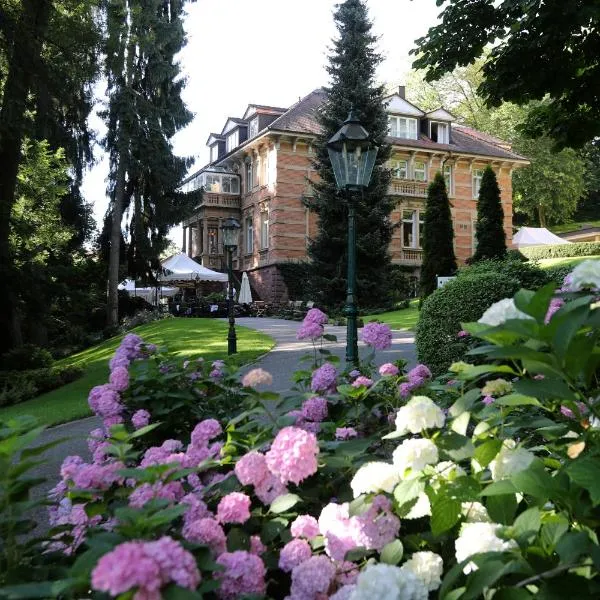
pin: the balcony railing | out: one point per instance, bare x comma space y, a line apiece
221, 200
412, 256
408, 187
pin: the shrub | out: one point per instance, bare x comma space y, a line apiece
561, 250
295, 276
529, 275
558, 273
26, 357
462, 300
141, 318
18, 386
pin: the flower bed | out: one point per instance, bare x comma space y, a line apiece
356, 485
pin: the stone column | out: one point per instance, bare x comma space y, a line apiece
205, 240
190, 241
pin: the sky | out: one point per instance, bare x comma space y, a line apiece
271, 52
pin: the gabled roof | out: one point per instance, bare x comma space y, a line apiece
214, 137
440, 114
263, 109
486, 137
398, 105
301, 117
232, 123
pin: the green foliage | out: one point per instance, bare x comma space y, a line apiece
21, 385
295, 275
561, 250
352, 69
529, 275
26, 357
438, 235
489, 230
462, 300
525, 57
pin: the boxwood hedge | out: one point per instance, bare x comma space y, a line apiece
561, 250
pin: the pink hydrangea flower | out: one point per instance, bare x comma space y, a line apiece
388, 370
197, 508
312, 577
309, 331
251, 469
345, 433
206, 531
555, 305
293, 455
377, 335
462, 334
314, 315
70, 466
334, 525
234, 508
354, 373
315, 409
108, 404
404, 389
487, 400
172, 491
324, 378
377, 526
293, 554
205, 431
256, 377
347, 573
362, 380
97, 477
256, 545
305, 526
269, 489
421, 371
244, 575
140, 418
119, 378
110, 422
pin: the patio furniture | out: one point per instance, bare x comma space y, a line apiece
259, 308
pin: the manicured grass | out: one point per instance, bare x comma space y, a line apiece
404, 319
565, 261
573, 226
184, 337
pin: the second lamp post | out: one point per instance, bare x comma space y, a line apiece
231, 233
352, 157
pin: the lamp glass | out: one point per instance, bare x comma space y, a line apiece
231, 232
352, 168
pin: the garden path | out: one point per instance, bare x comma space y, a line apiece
281, 362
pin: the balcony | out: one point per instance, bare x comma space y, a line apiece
411, 256
221, 200
408, 187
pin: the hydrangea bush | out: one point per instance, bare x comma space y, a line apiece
357, 485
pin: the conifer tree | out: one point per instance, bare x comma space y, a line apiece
438, 236
489, 231
352, 66
145, 111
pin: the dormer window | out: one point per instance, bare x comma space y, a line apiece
439, 132
402, 127
253, 128
232, 140
214, 152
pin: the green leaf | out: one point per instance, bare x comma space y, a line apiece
536, 303
585, 471
283, 503
445, 513
512, 594
553, 531
392, 553
271, 529
572, 545
486, 452
490, 569
408, 490
535, 481
174, 592
330, 337
517, 400
237, 539
465, 402
544, 389
455, 446
461, 423
528, 523
502, 509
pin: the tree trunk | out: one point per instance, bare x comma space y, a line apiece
112, 308
23, 64
542, 215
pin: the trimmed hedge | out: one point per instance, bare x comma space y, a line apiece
530, 276
18, 386
561, 250
462, 300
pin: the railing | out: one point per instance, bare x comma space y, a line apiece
221, 200
408, 187
412, 256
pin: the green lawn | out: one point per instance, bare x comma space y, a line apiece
185, 337
573, 226
404, 319
565, 261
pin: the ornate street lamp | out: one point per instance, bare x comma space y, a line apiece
352, 157
231, 233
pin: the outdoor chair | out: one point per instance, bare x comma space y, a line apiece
259, 308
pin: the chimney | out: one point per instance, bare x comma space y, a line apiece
402, 91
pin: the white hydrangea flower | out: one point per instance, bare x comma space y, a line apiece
502, 311
496, 388
476, 538
422, 508
414, 454
475, 512
428, 567
419, 413
449, 470
375, 477
585, 275
344, 593
510, 460
389, 582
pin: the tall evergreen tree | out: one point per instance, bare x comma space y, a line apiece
438, 236
489, 230
352, 65
145, 111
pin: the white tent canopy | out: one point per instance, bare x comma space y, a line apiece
147, 293
536, 236
181, 267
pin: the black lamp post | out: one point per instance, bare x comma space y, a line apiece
231, 234
352, 157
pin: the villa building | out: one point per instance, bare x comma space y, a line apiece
261, 167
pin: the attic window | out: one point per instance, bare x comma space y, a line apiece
402, 127
232, 141
214, 152
253, 128
439, 132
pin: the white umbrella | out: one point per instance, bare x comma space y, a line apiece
245, 296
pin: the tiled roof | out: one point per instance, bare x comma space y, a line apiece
301, 118
273, 108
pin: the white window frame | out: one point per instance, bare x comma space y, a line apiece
253, 128
399, 166
449, 179
423, 170
249, 176
233, 140
255, 173
214, 152
249, 235
477, 176
264, 230
416, 223
403, 127
446, 128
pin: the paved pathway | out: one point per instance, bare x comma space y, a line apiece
281, 362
